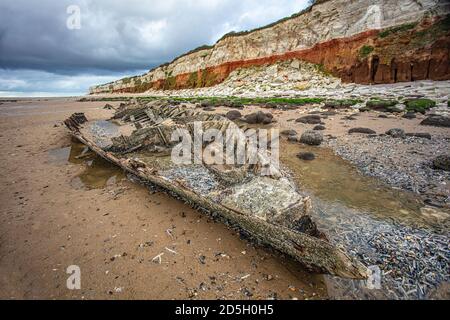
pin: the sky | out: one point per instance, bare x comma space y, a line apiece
61, 48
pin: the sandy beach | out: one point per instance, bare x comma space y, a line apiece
61, 206
50, 221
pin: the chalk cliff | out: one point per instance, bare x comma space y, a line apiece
360, 41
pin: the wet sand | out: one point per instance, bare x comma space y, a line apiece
50, 218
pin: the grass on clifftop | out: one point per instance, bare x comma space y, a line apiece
393, 30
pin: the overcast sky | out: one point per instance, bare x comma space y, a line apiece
41, 56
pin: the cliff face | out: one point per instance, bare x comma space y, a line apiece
361, 41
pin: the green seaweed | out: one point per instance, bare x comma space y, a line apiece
420, 105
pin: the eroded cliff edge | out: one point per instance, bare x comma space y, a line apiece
361, 41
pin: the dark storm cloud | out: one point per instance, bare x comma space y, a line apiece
120, 36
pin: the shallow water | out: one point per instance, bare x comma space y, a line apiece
332, 179
98, 172
377, 224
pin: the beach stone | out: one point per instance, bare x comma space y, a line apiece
233, 115
259, 118
312, 138
206, 104
409, 116
307, 156
329, 113
288, 133
442, 163
396, 133
362, 130
419, 135
232, 104
437, 121
311, 119
293, 138
319, 128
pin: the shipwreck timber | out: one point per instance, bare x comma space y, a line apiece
138, 139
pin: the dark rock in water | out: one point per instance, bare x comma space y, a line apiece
288, 133
383, 116
315, 112
312, 138
108, 107
209, 109
362, 130
442, 163
307, 156
349, 118
437, 121
233, 115
419, 135
311, 119
259, 118
396, 133
293, 138
319, 128
409, 116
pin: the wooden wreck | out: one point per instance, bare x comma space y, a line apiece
268, 208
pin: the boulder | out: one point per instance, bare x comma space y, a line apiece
312, 138
442, 163
288, 133
436, 121
319, 128
311, 119
362, 130
307, 156
419, 135
396, 133
206, 104
233, 115
259, 118
409, 116
329, 113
